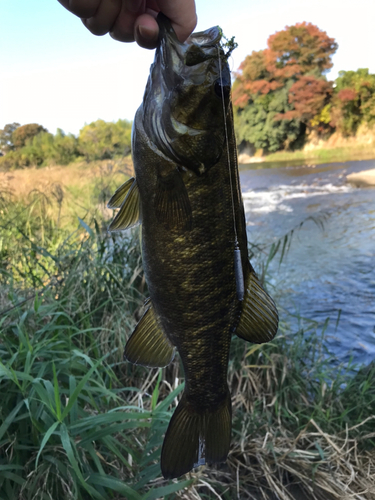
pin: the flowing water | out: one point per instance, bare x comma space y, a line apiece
329, 270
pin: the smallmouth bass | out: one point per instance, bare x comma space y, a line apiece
187, 195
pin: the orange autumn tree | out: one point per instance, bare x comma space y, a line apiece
281, 91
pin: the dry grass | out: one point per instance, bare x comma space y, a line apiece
363, 139
314, 465
68, 191
21, 182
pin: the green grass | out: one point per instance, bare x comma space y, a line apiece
77, 422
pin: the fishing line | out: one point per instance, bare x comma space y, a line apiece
238, 271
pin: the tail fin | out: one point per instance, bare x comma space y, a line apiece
195, 437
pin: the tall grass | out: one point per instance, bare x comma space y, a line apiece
72, 422
77, 422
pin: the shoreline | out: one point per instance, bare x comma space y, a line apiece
329, 150
315, 156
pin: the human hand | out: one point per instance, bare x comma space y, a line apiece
134, 20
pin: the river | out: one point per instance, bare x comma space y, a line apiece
328, 274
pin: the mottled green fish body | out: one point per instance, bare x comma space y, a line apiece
187, 195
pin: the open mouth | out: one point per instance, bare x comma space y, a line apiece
198, 48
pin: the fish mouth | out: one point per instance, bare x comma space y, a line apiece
198, 48
195, 61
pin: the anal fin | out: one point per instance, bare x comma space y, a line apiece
129, 214
259, 318
148, 344
172, 204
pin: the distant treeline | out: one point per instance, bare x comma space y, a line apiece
32, 145
281, 97
281, 94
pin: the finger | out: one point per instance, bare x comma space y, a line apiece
123, 28
104, 18
146, 30
81, 8
134, 5
182, 14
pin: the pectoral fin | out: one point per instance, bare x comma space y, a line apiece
148, 344
259, 318
119, 197
129, 213
172, 205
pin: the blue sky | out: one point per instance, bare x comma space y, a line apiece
56, 73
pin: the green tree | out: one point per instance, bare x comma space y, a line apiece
6, 141
37, 150
354, 100
46, 149
100, 140
64, 148
258, 122
34, 146
42, 149
24, 133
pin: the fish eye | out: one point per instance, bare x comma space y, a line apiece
222, 88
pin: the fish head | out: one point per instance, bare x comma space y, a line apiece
187, 97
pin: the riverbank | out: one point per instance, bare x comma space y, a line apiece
335, 148
324, 155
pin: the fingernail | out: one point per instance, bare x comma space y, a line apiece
147, 33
